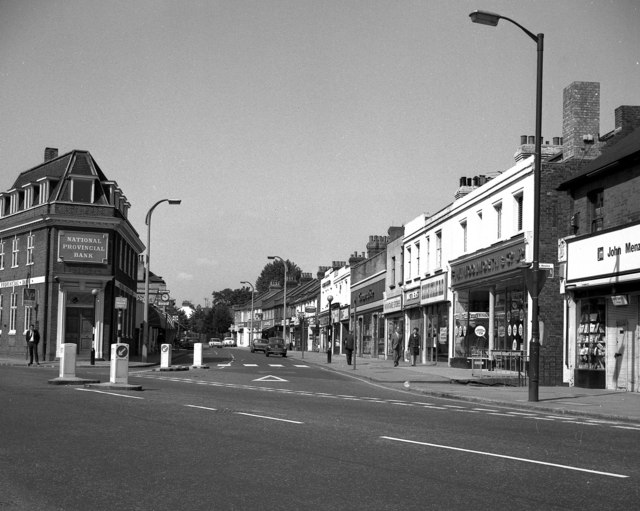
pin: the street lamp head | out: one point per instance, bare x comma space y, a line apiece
174, 201
330, 299
485, 18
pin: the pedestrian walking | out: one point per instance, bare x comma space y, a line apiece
348, 346
32, 336
396, 345
414, 346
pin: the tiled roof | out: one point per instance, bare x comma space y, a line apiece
55, 168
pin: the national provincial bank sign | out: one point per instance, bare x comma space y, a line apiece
607, 255
83, 247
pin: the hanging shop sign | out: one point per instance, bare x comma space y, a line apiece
83, 247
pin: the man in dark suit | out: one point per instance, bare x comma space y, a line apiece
33, 338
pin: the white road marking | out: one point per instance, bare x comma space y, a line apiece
270, 418
201, 407
110, 393
299, 365
628, 427
251, 365
568, 467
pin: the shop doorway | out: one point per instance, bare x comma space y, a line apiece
79, 329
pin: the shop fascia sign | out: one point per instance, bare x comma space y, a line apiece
393, 304
434, 289
488, 265
83, 247
412, 297
605, 255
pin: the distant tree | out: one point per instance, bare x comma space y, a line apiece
274, 272
231, 297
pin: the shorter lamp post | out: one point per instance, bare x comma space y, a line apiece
251, 318
301, 320
329, 342
284, 299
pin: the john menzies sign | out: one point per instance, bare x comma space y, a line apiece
83, 247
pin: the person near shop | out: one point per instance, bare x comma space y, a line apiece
348, 346
32, 336
396, 345
414, 346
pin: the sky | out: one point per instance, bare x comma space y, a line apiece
295, 128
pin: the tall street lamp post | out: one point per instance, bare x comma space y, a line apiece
534, 280
251, 318
284, 300
329, 327
145, 324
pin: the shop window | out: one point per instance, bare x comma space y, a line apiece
591, 339
596, 210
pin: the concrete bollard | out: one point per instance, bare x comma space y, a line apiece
197, 354
165, 356
119, 364
68, 360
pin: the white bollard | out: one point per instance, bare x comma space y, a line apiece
119, 363
68, 360
165, 356
197, 354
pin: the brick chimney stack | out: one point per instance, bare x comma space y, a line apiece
50, 153
580, 119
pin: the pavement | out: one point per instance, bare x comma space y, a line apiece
439, 380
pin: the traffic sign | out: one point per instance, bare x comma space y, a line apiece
122, 351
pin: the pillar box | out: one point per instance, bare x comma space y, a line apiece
165, 356
68, 360
119, 363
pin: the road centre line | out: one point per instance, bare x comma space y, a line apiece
270, 418
503, 456
202, 407
110, 393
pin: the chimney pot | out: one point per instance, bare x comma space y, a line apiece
523, 139
532, 139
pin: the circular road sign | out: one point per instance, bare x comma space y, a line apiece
122, 351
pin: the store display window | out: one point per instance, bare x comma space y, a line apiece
591, 338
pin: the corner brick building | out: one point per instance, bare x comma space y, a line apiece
67, 250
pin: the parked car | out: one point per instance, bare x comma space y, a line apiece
229, 341
276, 346
187, 343
259, 345
215, 342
